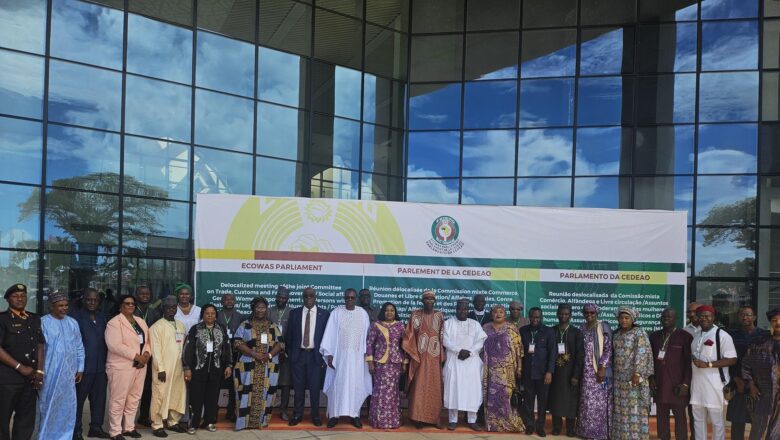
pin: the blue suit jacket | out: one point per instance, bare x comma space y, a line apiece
545, 353
293, 334
94, 340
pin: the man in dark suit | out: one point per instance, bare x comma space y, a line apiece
302, 342
539, 347
479, 313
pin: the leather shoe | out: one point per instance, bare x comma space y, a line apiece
177, 428
475, 426
418, 425
556, 432
316, 421
529, 431
133, 434
294, 421
451, 426
333, 421
160, 433
283, 416
98, 433
540, 432
118, 437
356, 422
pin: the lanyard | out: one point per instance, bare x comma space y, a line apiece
211, 333
173, 324
533, 335
562, 334
666, 340
227, 320
281, 315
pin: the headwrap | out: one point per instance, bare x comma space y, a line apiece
463, 300
429, 293
564, 306
181, 286
630, 311
706, 308
282, 289
57, 296
169, 300
15, 288
591, 307
772, 313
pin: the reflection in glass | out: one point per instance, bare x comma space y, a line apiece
225, 64
87, 33
725, 252
21, 148
383, 150
607, 11
158, 109
489, 153
84, 96
385, 52
666, 99
20, 267
542, 13
728, 97
605, 101
432, 190
726, 297
490, 104
21, 84
335, 141
767, 290
668, 193
20, 227
607, 51
725, 200
433, 106
667, 48
552, 192
603, 151
770, 154
166, 230
493, 14
285, 25
437, 16
222, 172
334, 183
729, 45
281, 78
379, 187
711, 9
545, 152
23, 26
160, 164
159, 275
77, 271
491, 55
338, 39
770, 203
549, 53
664, 150
235, 18
223, 121
278, 178
281, 131
383, 101
336, 90
667, 10
771, 41
546, 102
436, 58
159, 49
80, 158
487, 191
433, 154
727, 149
88, 222
602, 192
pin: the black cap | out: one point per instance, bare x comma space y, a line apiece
15, 288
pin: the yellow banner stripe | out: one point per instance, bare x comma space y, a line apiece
225, 254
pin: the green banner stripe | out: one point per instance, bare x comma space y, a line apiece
530, 264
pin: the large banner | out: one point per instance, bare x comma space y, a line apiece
248, 245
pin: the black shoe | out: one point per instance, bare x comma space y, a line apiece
144, 422
475, 426
356, 422
118, 437
451, 426
159, 433
529, 431
133, 434
418, 425
570, 434
98, 433
556, 431
333, 421
177, 428
540, 432
294, 421
316, 421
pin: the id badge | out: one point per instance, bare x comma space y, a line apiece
264, 338
531, 348
561, 348
209, 347
230, 334
178, 338
141, 339
661, 355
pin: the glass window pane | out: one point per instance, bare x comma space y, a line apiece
544, 13
87, 33
82, 159
225, 64
607, 11
278, 178
433, 154
493, 14
383, 150
725, 200
771, 51
434, 106
336, 90
162, 232
85, 96
666, 99
235, 18
488, 192
437, 58
222, 172
21, 84
726, 296
78, 271
20, 267
285, 25
545, 152
383, 101
770, 154
729, 45
175, 11
338, 39
602, 192
437, 16
728, 97
605, 101
335, 141
489, 153
669, 193
667, 48
379, 187
392, 14
607, 51
281, 131
727, 149
159, 49
667, 10
546, 102
553, 192
725, 252
603, 151
549, 53
158, 109
223, 121
353, 8
664, 150
89, 222
728, 9
282, 77
770, 104
20, 227
386, 52
21, 148
768, 291
490, 104
491, 55
161, 165
770, 203
23, 26
334, 183
432, 190
159, 275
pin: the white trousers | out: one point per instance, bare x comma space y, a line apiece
700, 414
471, 416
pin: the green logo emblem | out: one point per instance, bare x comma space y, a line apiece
444, 233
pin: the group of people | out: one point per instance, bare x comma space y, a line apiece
166, 362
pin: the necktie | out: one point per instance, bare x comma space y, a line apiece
306, 327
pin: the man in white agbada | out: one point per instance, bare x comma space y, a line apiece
463, 339
347, 381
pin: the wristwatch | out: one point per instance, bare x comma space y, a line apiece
709, 364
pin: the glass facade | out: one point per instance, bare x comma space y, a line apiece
116, 114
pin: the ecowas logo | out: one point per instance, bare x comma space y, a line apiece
444, 233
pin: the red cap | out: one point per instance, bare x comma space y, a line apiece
705, 308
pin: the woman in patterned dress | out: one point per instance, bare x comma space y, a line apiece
632, 364
503, 361
259, 341
596, 389
386, 360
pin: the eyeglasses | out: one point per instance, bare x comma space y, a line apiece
131, 304
90, 300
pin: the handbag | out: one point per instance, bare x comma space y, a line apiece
729, 390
